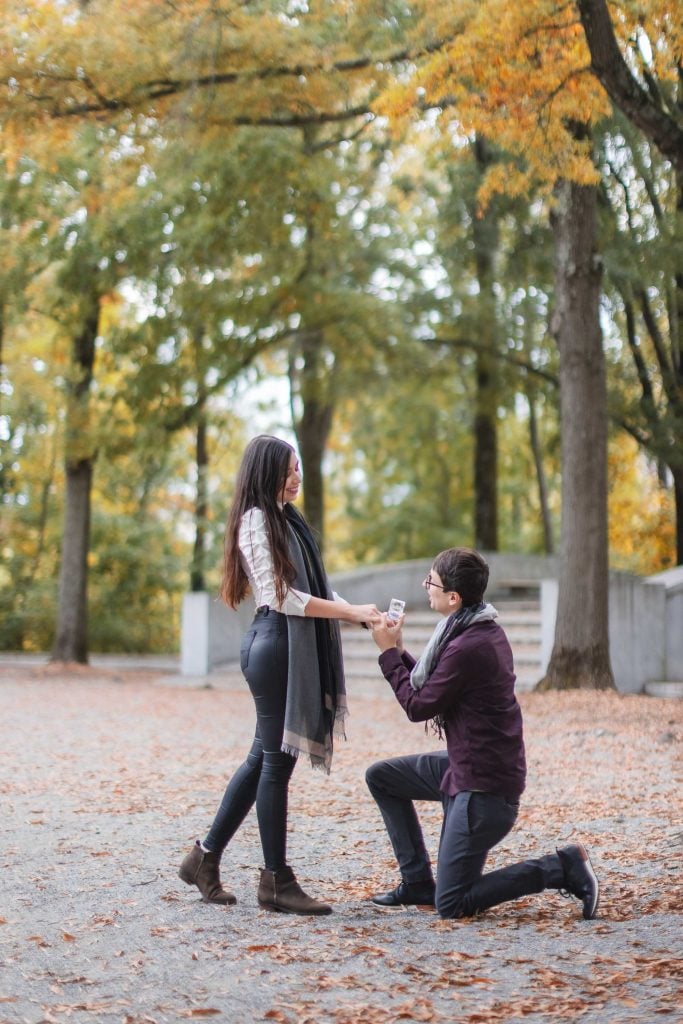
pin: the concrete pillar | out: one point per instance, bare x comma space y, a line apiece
549, 595
210, 632
194, 635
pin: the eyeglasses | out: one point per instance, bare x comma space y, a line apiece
428, 582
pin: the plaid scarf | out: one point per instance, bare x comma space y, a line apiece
316, 694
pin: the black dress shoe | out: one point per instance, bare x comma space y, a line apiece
580, 879
407, 894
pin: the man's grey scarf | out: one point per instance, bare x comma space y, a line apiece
445, 631
316, 692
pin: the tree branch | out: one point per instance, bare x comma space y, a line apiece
508, 357
635, 431
613, 73
164, 87
641, 368
668, 378
186, 414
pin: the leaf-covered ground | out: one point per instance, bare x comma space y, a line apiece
108, 777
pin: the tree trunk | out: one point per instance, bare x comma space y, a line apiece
5, 456
580, 656
485, 457
677, 474
677, 362
537, 454
197, 569
2, 349
71, 637
313, 431
310, 382
485, 236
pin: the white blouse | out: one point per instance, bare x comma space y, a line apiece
258, 565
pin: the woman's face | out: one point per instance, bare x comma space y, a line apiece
290, 490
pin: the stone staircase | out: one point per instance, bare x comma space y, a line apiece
520, 617
665, 688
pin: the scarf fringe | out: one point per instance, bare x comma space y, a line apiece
318, 762
339, 727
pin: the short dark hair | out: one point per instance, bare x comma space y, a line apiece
464, 571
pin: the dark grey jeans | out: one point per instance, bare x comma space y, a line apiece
473, 824
264, 776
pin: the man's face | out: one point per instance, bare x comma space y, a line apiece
445, 602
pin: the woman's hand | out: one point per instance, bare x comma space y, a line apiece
321, 608
387, 633
367, 614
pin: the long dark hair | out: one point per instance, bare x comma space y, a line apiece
259, 484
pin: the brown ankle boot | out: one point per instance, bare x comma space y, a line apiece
201, 869
279, 890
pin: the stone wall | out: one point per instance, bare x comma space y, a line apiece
645, 615
404, 579
637, 629
672, 581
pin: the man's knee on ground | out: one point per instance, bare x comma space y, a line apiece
450, 907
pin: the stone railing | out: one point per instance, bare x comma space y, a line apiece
645, 614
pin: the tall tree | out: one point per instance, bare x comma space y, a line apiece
495, 314
580, 656
312, 382
347, 231
641, 72
485, 232
76, 252
398, 506
644, 289
531, 111
71, 637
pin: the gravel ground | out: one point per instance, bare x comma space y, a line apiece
109, 774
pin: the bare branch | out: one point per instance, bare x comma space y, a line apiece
164, 87
513, 358
623, 89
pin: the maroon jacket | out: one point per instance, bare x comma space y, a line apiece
473, 688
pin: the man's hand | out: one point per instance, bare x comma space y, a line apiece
387, 633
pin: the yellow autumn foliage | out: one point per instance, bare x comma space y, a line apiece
520, 74
642, 535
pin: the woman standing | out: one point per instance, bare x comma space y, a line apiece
291, 659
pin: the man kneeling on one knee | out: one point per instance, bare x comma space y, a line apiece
464, 681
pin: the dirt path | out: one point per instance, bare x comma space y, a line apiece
107, 777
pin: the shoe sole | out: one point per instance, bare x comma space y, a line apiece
425, 908
589, 913
273, 909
